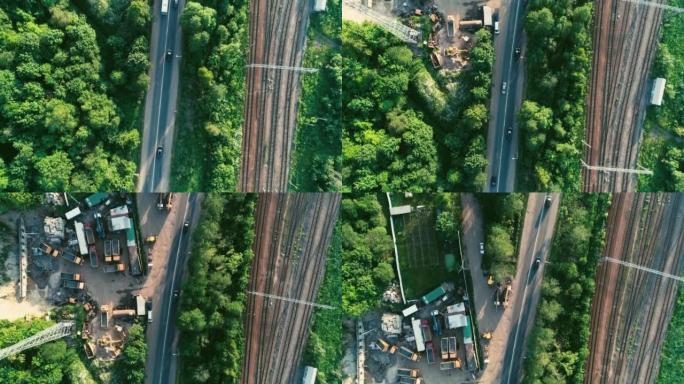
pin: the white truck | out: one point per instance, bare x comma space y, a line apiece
165, 7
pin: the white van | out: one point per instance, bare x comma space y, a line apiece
149, 316
496, 27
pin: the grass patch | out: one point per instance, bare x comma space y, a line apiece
324, 346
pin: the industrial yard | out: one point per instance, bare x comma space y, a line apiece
81, 257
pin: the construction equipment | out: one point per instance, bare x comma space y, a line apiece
49, 250
384, 346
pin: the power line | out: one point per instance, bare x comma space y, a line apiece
639, 267
283, 67
657, 5
296, 301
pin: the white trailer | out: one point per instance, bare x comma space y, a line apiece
80, 236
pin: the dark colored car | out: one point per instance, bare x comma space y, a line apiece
517, 53
169, 54
492, 182
160, 150
509, 131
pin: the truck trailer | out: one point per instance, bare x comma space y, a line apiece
111, 268
71, 276
430, 352
73, 258
433, 295
444, 348
89, 234
407, 372
73, 284
408, 354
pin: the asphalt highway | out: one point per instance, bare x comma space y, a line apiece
162, 343
502, 149
160, 103
535, 241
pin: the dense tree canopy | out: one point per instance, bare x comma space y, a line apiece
72, 78
366, 253
552, 117
213, 298
51, 363
502, 214
210, 111
559, 343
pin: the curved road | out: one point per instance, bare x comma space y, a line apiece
160, 102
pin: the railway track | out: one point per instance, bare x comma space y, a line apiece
631, 308
293, 234
625, 40
277, 35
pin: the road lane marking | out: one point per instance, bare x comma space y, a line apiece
510, 62
522, 306
173, 280
161, 97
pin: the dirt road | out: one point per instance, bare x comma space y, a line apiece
277, 35
632, 308
293, 233
625, 39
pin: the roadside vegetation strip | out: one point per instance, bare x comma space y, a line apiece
559, 342
324, 348
502, 214
206, 155
663, 145
317, 154
213, 298
72, 80
671, 361
552, 115
366, 253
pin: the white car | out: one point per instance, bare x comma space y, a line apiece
482, 249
